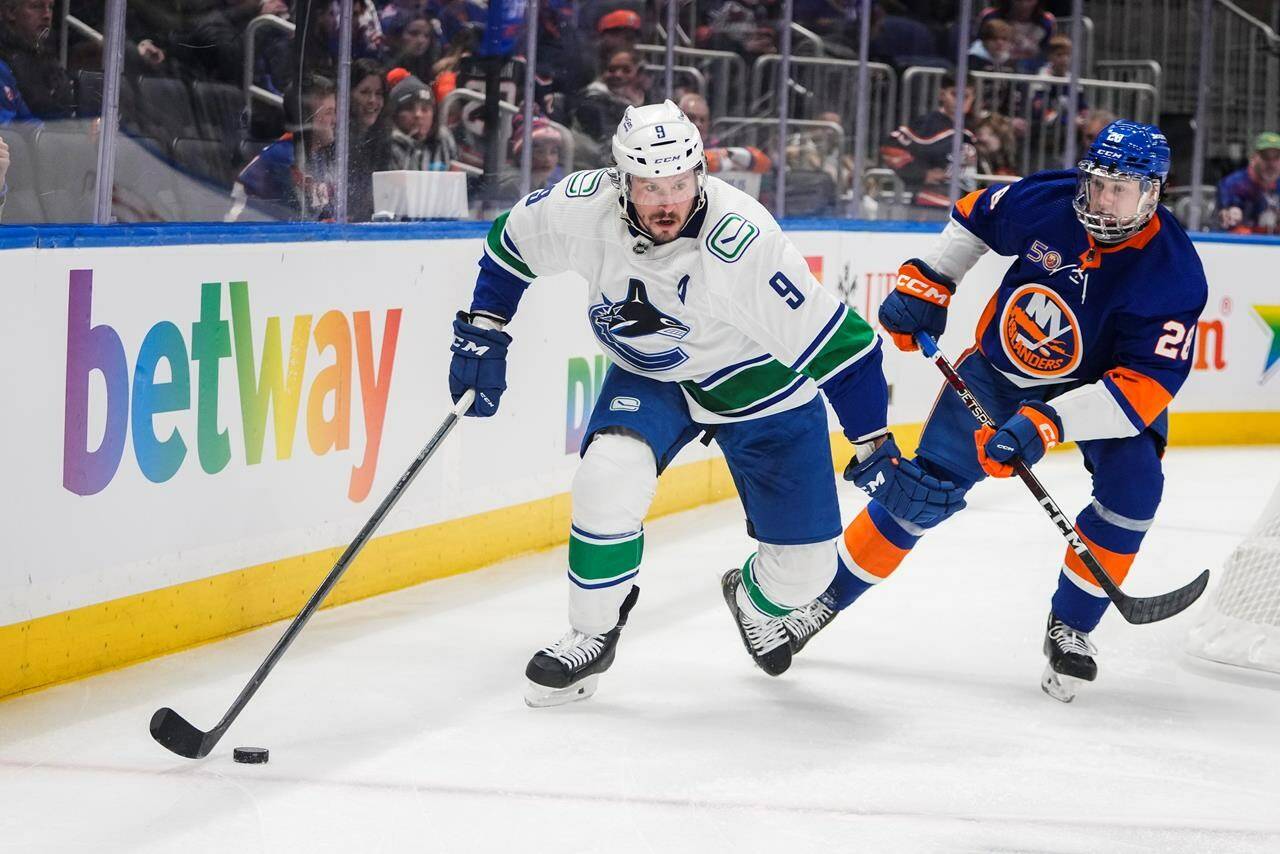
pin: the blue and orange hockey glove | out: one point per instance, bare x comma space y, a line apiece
918, 304
1033, 429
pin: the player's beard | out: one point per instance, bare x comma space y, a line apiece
664, 225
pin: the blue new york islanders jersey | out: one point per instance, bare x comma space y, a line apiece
1073, 311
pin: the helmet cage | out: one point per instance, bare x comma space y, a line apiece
1114, 227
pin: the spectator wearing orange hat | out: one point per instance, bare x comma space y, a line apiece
619, 29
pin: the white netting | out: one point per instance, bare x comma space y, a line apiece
1240, 623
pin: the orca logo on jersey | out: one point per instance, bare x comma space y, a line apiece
1039, 333
636, 317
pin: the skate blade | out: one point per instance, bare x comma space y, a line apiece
1059, 687
540, 696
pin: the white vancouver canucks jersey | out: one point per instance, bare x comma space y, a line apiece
730, 312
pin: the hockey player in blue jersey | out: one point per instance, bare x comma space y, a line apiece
1087, 339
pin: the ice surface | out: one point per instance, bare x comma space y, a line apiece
915, 723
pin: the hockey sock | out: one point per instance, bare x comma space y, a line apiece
1114, 540
601, 567
752, 600
872, 547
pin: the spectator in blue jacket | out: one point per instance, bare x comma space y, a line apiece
12, 106
293, 178
1249, 200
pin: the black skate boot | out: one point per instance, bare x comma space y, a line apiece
570, 668
765, 639
803, 623
1071, 661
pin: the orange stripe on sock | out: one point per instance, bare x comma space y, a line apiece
1116, 564
870, 549
1147, 397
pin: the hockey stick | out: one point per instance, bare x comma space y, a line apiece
1134, 609
175, 733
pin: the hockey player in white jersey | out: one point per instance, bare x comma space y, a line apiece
713, 323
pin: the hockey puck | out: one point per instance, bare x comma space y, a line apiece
250, 755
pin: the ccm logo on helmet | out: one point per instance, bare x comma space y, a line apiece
924, 290
658, 160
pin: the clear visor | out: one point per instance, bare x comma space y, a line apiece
668, 190
1116, 198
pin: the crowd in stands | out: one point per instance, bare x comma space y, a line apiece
410, 55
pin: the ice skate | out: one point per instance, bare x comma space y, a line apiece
1071, 661
570, 668
803, 623
766, 639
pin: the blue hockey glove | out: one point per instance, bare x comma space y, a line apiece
1034, 429
479, 362
918, 304
903, 488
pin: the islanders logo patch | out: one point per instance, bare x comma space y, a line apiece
1040, 334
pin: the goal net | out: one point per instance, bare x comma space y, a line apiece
1240, 623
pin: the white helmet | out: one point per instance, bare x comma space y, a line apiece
656, 141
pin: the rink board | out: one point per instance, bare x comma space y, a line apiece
197, 429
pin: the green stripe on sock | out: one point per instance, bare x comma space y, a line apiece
592, 561
762, 602
853, 336
499, 250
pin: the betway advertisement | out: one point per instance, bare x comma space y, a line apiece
179, 412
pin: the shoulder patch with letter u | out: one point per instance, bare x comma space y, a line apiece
731, 236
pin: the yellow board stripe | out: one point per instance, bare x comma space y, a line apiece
73, 644
70, 645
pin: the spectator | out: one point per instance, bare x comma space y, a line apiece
413, 43
920, 151
1092, 124
418, 141
4, 172
12, 106
370, 137
1249, 199
212, 45
744, 27
696, 108
602, 103
818, 149
544, 156
1059, 54
991, 50
994, 140
618, 30
564, 61
901, 41
314, 43
1032, 28
26, 49
293, 177
1050, 102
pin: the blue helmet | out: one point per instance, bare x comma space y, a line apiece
1120, 180
1132, 148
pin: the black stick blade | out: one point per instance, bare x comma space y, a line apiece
1156, 608
174, 733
